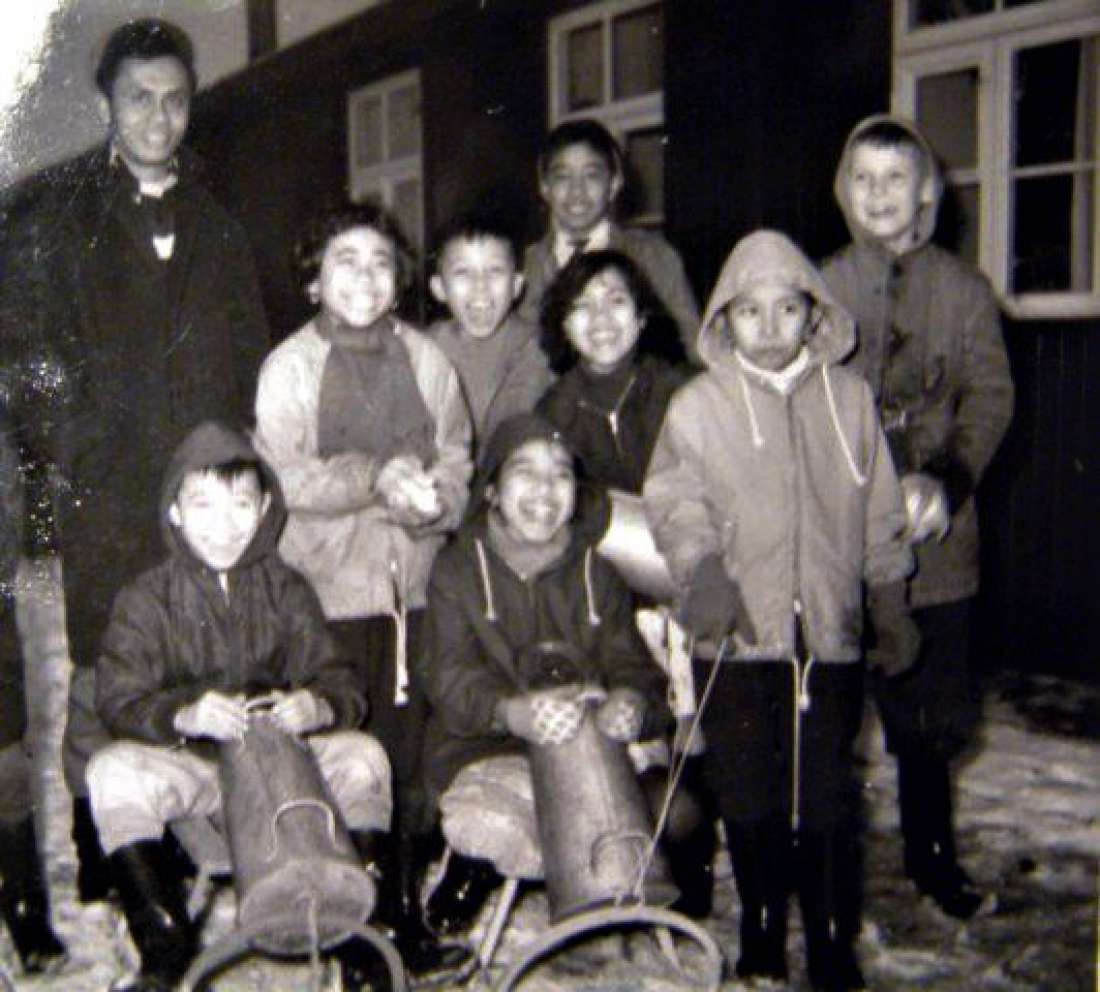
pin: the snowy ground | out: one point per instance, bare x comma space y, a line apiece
1029, 818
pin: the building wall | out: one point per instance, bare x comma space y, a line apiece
759, 97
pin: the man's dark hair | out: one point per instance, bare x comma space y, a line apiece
582, 131
329, 222
145, 39
658, 335
475, 225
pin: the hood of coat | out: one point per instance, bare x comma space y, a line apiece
926, 218
214, 443
769, 257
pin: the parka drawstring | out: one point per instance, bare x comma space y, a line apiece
486, 585
594, 617
859, 477
757, 437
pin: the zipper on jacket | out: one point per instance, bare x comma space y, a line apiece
802, 661
612, 415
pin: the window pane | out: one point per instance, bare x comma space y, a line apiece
1052, 241
925, 12
368, 131
403, 120
584, 68
645, 156
1054, 87
637, 51
960, 221
406, 208
947, 111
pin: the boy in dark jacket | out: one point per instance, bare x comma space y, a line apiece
930, 345
223, 620
24, 902
522, 571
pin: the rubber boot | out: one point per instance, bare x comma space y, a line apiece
24, 902
399, 913
93, 873
761, 854
924, 800
829, 889
688, 843
361, 966
460, 894
152, 899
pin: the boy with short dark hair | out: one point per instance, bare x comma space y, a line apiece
773, 544
221, 621
580, 175
930, 345
495, 352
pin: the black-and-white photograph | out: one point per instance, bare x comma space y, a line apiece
549, 495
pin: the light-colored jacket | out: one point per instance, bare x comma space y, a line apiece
930, 345
337, 532
795, 489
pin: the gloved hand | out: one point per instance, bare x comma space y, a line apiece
925, 507
713, 605
214, 714
408, 492
545, 717
620, 715
897, 639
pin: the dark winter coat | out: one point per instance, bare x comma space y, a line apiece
930, 345
13, 710
122, 354
174, 633
481, 615
612, 421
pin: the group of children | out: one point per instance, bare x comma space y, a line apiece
770, 487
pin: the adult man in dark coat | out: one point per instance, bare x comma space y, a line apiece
131, 302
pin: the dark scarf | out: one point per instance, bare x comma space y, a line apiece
370, 402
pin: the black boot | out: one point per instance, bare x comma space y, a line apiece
152, 899
924, 800
24, 902
688, 843
461, 893
93, 873
399, 911
761, 855
829, 893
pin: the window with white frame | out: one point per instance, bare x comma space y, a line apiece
384, 141
607, 63
1007, 91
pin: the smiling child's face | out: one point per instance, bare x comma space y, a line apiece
478, 282
536, 490
357, 283
887, 187
603, 323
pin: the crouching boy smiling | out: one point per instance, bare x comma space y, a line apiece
222, 620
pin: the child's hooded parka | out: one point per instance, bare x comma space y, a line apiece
794, 489
175, 632
930, 345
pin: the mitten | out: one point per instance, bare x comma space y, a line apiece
620, 715
544, 718
925, 507
713, 605
897, 639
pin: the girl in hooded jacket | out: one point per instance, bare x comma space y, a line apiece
773, 544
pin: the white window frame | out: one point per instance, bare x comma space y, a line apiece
620, 117
380, 181
988, 43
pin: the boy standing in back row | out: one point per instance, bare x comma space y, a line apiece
580, 178
930, 345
